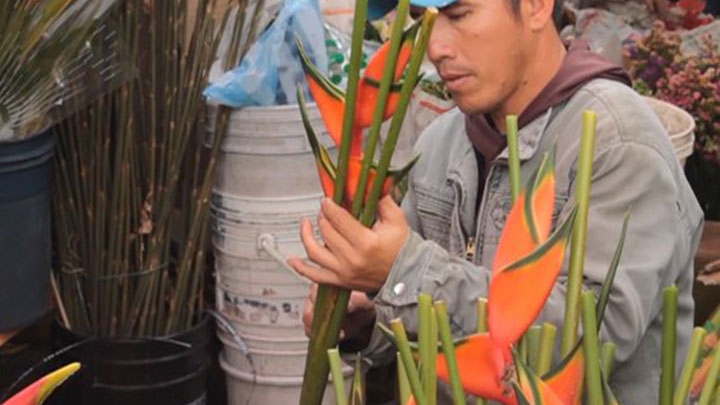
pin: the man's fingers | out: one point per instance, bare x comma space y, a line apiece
350, 228
337, 244
389, 212
316, 252
307, 317
314, 274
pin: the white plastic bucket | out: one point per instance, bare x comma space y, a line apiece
266, 153
277, 361
287, 342
679, 124
245, 388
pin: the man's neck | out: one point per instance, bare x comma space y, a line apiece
534, 81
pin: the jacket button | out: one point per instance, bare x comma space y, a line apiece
399, 288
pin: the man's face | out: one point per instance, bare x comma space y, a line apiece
479, 48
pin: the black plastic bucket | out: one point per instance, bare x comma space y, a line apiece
25, 177
171, 370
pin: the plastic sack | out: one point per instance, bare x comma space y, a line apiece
270, 71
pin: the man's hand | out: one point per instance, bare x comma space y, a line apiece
352, 256
359, 320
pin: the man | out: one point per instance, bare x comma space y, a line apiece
500, 57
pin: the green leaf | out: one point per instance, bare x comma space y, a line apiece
612, 270
357, 391
311, 70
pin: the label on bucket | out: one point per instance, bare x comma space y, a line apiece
257, 310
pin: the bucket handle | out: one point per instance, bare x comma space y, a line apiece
266, 242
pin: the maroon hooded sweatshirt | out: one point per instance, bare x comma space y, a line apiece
580, 66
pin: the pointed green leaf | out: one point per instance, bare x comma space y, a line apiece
610, 277
357, 392
311, 70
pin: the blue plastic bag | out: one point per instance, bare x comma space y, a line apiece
269, 73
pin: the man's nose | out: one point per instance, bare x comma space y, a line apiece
440, 46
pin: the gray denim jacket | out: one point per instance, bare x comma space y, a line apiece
448, 254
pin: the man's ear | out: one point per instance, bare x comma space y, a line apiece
538, 13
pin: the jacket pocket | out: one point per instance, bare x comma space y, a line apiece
434, 209
498, 212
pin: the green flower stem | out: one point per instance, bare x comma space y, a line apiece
593, 381
448, 347
579, 236
683, 386
331, 302
386, 82
411, 78
403, 382
337, 376
482, 315
533, 346
428, 347
523, 349
356, 53
711, 380
407, 360
547, 343
431, 384
669, 343
607, 357
513, 156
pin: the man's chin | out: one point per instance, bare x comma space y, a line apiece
469, 107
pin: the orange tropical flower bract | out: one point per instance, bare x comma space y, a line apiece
479, 374
530, 219
567, 381
518, 292
37, 392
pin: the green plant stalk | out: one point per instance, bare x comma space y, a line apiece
482, 315
513, 156
356, 52
669, 343
403, 382
711, 380
683, 386
593, 379
448, 347
579, 236
198, 218
416, 59
523, 349
533, 346
425, 341
357, 391
431, 391
386, 82
607, 358
331, 301
337, 376
407, 360
547, 343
